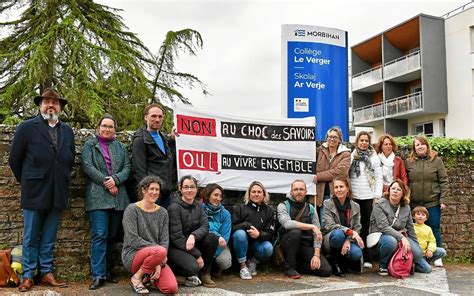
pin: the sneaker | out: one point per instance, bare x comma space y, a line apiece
438, 262
192, 281
252, 266
292, 273
207, 281
383, 271
245, 274
368, 265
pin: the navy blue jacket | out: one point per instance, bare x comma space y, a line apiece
43, 170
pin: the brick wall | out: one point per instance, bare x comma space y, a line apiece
73, 244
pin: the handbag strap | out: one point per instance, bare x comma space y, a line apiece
396, 215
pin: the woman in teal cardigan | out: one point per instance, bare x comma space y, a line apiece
107, 166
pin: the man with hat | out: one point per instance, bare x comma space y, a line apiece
41, 158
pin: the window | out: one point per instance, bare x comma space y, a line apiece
424, 128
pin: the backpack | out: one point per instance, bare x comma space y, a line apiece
8, 277
401, 265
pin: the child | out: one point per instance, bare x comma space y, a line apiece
425, 237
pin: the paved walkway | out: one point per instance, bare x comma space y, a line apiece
453, 281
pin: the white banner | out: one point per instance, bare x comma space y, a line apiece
234, 151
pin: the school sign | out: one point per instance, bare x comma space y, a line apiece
315, 76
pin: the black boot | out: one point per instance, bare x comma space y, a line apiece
337, 268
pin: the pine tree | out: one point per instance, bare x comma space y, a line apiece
84, 50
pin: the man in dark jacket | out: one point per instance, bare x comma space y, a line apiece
41, 158
151, 154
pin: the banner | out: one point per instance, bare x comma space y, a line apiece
315, 76
234, 151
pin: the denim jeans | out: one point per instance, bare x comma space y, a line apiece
39, 238
105, 225
387, 247
261, 250
337, 238
434, 221
438, 254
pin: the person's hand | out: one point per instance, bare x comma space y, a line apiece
174, 134
253, 232
200, 262
109, 182
315, 179
113, 190
156, 274
442, 206
375, 200
346, 247
406, 245
428, 254
222, 242
315, 262
359, 240
317, 232
190, 242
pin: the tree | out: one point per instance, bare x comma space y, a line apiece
83, 49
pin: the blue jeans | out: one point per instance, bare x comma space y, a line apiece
337, 238
387, 247
438, 254
261, 250
105, 225
39, 238
434, 221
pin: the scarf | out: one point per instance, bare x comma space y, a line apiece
343, 210
387, 167
362, 156
103, 142
211, 210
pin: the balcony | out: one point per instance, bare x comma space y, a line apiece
404, 105
403, 69
368, 114
370, 80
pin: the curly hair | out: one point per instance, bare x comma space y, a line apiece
145, 184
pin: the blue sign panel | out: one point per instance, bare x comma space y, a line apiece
316, 77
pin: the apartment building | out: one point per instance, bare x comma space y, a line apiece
399, 79
459, 29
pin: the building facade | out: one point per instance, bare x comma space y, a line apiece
417, 77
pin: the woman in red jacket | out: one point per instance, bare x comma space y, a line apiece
393, 167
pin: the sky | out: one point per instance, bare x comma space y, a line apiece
241, 58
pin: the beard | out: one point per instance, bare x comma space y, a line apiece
50, 116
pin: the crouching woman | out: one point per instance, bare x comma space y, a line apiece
145, 244
392, 217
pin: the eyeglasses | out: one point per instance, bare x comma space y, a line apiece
109, 127
189, 187
333, 137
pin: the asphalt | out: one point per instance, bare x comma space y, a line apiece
454, 280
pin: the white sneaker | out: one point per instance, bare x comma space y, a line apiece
252, 266
368, 265
192, 281
245, 274
438, 262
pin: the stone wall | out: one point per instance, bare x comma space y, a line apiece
73, 244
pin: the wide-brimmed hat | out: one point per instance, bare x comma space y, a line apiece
52, 94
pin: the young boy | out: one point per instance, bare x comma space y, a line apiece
425, 236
